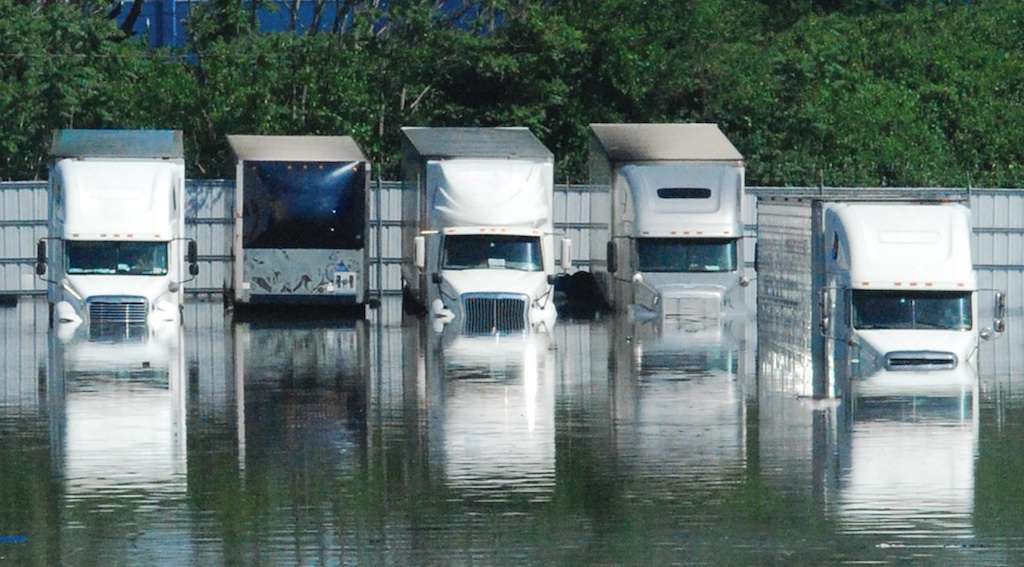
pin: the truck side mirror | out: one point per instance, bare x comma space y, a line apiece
823, 323
566, 254
192, 257
999, 324
613, 258
40, 257
420, 244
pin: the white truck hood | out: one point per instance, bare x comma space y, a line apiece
883, 341
150, 287
532, 284
875, 380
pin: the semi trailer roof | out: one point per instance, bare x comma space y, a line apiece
151, 144
663, 142
296, 148
506, 143
803, 195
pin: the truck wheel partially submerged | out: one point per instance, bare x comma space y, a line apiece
301, 229
116, 254
674, 248
478, 228
869, 290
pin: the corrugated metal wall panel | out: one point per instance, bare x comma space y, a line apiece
22, 220
572, 207
208, 219
998, 219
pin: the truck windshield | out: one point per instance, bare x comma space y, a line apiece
121, 258
479, 251
686, 255
911, 310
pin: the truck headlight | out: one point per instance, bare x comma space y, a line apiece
164, 310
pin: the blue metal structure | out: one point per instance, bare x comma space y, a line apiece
164, 22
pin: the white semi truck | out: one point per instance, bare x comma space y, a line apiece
116, 250
477, 231
301, 224
674, 248
869, 289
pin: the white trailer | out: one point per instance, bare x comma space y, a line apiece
869, 289
477, 228
116, 255
674, 248
301, 220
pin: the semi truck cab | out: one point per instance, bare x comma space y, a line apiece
497, 278
116, 253
674, 248
901, 296
478, 229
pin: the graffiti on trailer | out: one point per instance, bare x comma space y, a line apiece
303, 272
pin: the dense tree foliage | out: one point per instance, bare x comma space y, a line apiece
844, 92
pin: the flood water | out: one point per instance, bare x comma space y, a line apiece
323, 442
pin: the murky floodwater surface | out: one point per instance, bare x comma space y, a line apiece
326, 442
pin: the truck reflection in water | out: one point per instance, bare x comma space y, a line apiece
304, 386
117, 414
490, 408
899, 468
679, 403
906, 467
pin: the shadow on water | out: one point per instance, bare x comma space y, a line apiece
299, 440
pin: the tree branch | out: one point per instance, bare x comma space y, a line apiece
128, 26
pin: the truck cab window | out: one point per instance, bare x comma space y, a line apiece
491, 251
912, 310
686, 254
106, 257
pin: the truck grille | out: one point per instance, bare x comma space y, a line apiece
493, 313
118, 332
117, 309
692, 306
920, 360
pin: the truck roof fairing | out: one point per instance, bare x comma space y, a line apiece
296, 148
112, 144
104, 198
663, 142
916, 247
716, 216
473, 192
500, 143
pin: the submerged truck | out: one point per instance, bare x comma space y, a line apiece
674, 248
301, 227
872, 290
116, 250
477, 228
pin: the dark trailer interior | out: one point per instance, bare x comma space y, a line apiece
303, 229
304, 205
